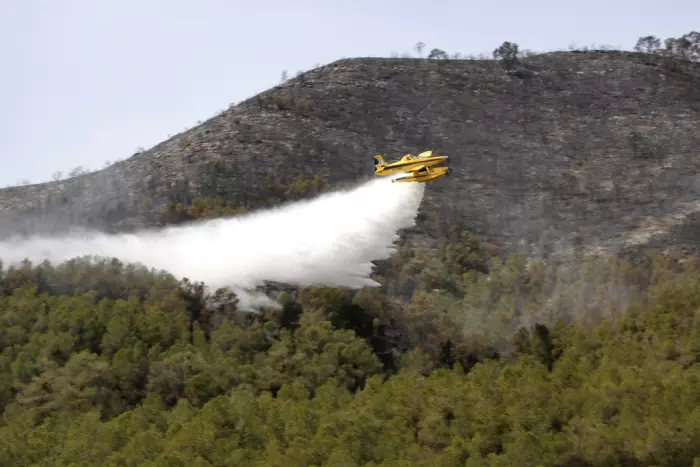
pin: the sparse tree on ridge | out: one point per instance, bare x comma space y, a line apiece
508, 53
438, 54
648, 44
76, 171
686, 47
419, 48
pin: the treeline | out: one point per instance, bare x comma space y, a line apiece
685, 47
463, 357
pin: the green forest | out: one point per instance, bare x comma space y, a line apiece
466, 356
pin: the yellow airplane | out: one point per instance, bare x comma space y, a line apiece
417, 168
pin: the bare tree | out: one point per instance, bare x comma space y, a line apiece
419, 48
57, 175
284, 76
76, 171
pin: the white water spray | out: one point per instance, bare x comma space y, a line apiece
328, 241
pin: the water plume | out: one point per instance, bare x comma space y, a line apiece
330, 241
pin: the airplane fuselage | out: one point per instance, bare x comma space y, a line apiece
422, 176
407, 166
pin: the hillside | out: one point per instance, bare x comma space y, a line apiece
604, 144
468, 355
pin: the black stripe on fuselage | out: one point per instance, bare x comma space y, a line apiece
413, 162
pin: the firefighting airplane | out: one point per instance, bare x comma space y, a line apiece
418, 168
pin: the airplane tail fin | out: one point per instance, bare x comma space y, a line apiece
379, 162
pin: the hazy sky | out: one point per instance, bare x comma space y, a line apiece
83, 82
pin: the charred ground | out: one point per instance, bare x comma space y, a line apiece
597, 146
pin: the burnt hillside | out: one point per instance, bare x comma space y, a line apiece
605, 144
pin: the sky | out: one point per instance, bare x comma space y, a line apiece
85, 82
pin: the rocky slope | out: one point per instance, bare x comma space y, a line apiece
605, 144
